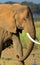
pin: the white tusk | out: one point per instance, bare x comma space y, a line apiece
32, 39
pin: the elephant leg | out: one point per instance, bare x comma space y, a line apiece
18, 52
17, 46
0, 50
2, 37
0, 45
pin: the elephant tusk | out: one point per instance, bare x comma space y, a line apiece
32, 39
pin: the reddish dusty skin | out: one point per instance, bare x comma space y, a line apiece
13, 17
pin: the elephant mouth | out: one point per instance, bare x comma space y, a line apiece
28, 35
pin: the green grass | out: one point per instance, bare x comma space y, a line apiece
37, 25
38, 33
24, 38
37, 19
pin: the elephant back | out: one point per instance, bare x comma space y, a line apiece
7, 21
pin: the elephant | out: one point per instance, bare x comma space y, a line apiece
14, 19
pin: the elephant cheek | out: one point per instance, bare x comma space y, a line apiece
30, 30
25, 29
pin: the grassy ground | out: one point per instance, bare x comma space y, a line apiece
7, 57
37, 25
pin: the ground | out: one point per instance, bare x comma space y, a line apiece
7, 57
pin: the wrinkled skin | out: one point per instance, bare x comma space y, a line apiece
14, 19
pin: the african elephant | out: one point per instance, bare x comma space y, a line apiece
14, 19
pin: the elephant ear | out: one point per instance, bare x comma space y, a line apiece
21, 14
7, 20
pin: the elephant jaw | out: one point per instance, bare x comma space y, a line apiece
32, 39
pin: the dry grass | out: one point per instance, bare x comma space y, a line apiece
7, 54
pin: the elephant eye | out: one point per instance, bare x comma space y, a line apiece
24, 19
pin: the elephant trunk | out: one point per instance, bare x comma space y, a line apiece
30, 47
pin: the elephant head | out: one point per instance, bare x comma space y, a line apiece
24, 21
